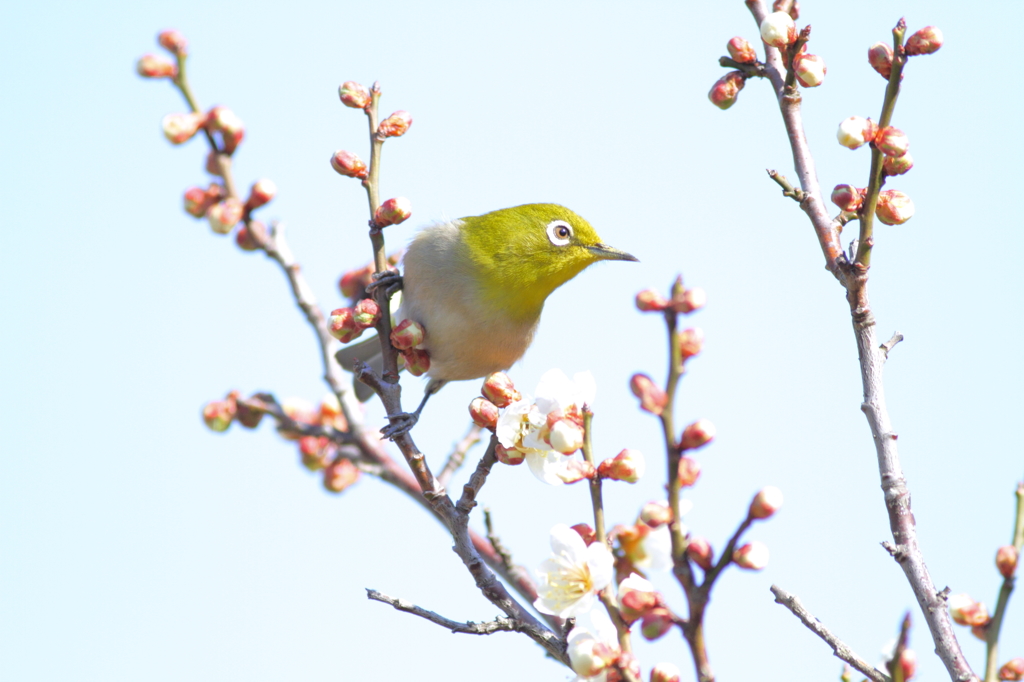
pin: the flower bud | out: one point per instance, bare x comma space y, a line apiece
898, 165
173, 42
656, 623
700, 552
589, 656
260, 194
509, 456
778, 29
180, 128
892, 141
925, 41
249, 237
348, 164
665, 672
230, 127
856, 131
484, 413
409, 334
652, 398
725, 90
697, 434
809, 70
690, 301
367, 313
894, 207
393, 212
688, 472
313, 452
650, 300
1006, 560
575, 471
880, 59
224, 215
908, 663
637, 596
584, 530
564, 436
752, 556
691, 342
980, 632
741, 51
966, 611
219, 414
656, 514
394, 125
626, 466
342, 325
1012, 670
198, 200
847, 198
331, 414
500, 390
354, 94
151, 66
791, 7
340, 475
355, 281
417, 361
765, 503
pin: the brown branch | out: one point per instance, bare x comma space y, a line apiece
468, 628
887, 347
458, 454
839, 649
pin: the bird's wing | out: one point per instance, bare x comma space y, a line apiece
367, 350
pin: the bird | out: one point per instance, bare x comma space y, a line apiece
478, 285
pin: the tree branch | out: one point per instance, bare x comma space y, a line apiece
468, 628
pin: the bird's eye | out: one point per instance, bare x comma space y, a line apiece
559, 232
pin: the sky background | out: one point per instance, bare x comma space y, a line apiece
137, 545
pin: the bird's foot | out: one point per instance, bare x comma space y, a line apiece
389, 279
401, 424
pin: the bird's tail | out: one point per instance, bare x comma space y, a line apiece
369, 352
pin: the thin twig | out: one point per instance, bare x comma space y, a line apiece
458, 454
996, 624
890, 344
839, 649
467, 628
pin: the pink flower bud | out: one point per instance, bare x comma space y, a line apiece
355, 281
691, 342
791, 7
908, 663
690, 301
1012, 670
898, 165
417, 361
354, 94
665, 672
213, 164
697, 434
245, 239
1006, 560
173, 42
313, 452
348, 164
650, 300
725, 90
342, 325
219, 414
965, 611
925, 41
652, 398
809, 70
847, 198
655, 514
778, 29
151, 66
576, 471
741, 51
880, 59
198, 200
409, 334
261, 193
340, 475
656, 623
626, 466
500, 390
484, 413
393, 212
224, 215
892, 141
230, 127
590, 657
564, 436
367, 313
766, 503
856, 131
637, 596
509, 456
700, 552
394, 125
180, 128
688, 472
894, 207
752, 556
584, 530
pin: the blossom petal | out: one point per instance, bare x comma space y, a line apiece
601, 564
546, 465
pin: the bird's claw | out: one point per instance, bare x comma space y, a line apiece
401, 424
389, 279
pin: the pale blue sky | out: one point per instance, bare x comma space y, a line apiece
137, 545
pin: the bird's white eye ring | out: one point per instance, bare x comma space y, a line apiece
559, 232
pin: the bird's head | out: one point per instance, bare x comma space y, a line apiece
524, 253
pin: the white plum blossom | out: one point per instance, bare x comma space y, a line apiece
570, 580
593, 645
656, 550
